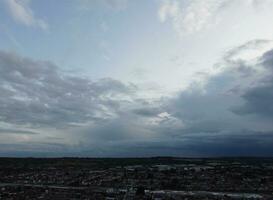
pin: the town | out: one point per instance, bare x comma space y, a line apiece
159, 178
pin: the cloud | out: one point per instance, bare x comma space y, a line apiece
193, 16
228, 113
39, 149
243, 143
259, 97
200, 121
189, 16
260, 4
37, 93
22, 13
168, 9
15, 131
233, 105
149, 111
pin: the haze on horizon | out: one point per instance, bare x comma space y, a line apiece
123, 78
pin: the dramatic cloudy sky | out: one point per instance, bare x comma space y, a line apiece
136, 78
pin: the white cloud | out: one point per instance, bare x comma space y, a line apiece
191, 16
22, 13
168, 9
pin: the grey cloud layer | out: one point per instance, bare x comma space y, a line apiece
14, 131
229, 114
259, 98
36, 93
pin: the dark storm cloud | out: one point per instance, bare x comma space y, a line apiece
243, 143
259, 98
258, 101
206, 108
240, 143
267, 60
37, 93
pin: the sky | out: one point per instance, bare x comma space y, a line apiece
136, 78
